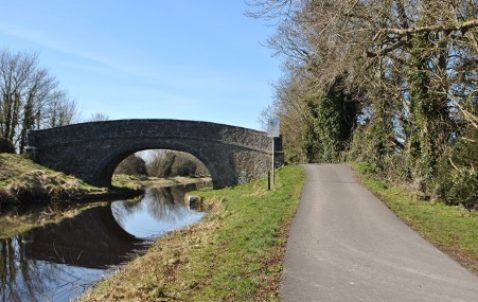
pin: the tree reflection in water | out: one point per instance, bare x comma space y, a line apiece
26, 279
57, 262
160, 211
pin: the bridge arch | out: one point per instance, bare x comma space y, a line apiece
91, 151
107, 165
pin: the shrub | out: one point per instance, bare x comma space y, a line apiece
132, 165
462, 188
6, 146
457, 179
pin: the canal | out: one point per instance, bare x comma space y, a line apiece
58, 262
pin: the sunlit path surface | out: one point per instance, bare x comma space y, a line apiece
346, 245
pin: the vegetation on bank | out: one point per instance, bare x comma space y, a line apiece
22, 181
139, 181
234, 254
453, 229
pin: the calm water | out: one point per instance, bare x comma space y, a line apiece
59, 261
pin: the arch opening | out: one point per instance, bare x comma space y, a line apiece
156, 167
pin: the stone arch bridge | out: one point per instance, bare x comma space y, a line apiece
91, 151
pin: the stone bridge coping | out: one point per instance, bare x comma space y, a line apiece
172, 128
150, 121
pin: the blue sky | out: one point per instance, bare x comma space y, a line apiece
198, 60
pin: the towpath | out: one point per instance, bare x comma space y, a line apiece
346, 245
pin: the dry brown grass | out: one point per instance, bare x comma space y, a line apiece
22, 181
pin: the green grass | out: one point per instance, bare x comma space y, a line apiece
453, 229
234, 254
134, 182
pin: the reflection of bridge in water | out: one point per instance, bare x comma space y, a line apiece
93, 239
59, 260
91, 151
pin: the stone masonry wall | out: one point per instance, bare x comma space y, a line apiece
91, 151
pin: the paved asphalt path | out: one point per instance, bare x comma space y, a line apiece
346, 245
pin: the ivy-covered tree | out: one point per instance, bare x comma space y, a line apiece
411, 69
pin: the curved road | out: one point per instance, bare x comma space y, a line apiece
346, 245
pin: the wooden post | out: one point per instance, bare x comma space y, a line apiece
268, 180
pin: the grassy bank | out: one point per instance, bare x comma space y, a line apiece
453, 229
234, 254
132, 181
23, 181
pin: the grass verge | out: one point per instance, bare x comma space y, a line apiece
234, 254
453, 229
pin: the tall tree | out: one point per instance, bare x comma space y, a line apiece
30, 98
411, 68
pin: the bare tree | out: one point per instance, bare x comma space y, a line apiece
98, 117
29, 98
168, 163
